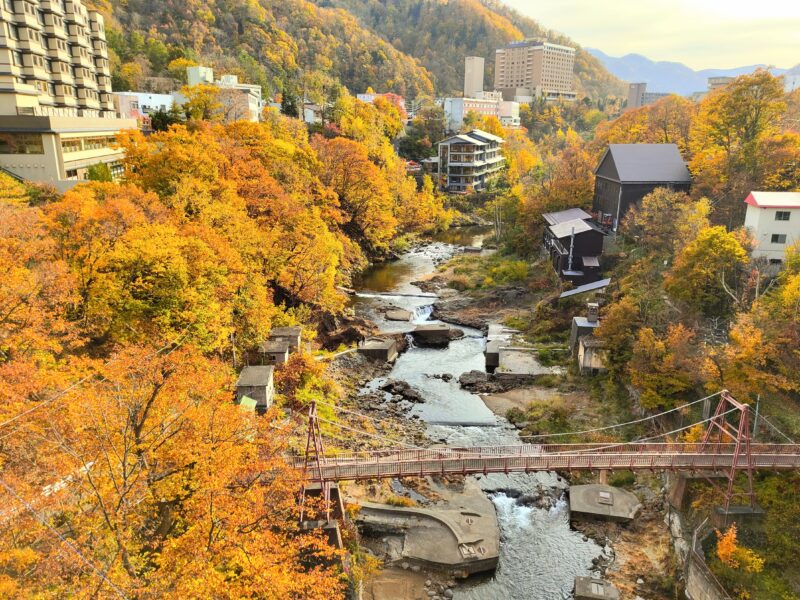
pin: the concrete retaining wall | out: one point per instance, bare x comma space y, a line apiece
700, 583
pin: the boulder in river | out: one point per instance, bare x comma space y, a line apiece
403, 390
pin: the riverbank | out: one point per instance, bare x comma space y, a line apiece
531, 510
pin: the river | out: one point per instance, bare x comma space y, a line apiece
540, 555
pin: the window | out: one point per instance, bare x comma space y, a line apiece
21, 143
69, 145
782, 215
9, 5
775, 261
778, 238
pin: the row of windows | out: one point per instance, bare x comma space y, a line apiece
89, 143
21, 143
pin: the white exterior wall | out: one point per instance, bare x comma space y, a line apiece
761, 224
473, 76
198, 75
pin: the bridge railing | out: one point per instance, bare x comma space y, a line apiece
414, 454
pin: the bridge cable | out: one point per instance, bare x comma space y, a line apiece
357, 414
786, 437
647, 439
616, 426
372, 435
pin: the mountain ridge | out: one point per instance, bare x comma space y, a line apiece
669, 76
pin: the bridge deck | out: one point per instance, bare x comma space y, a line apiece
553, 457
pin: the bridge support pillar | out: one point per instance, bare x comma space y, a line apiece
677, 494
743, 516
603, 477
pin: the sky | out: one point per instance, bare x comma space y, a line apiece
703, 34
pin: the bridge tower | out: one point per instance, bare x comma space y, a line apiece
314, 457
730, 424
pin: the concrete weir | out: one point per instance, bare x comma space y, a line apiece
384, 349
434, 335
602, 502
460, 539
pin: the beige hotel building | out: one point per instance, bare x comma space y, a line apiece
57, 115
535, 68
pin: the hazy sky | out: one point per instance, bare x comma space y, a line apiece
703, 34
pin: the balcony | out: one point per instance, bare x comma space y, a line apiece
100, 48
86, 83
52, 6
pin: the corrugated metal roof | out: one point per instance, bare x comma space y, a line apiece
581, 289
774, 199
647, 163
554, 218
567, 228
255, 376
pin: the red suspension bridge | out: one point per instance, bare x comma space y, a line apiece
725, 449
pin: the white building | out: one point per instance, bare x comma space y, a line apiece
240, 101
57, 116
138, 105
490, 105
773, 219
473, 76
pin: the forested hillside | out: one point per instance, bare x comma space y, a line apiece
439, 33
275, 44
403, 46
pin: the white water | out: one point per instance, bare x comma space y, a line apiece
540, 555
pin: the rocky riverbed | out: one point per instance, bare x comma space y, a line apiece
430, 396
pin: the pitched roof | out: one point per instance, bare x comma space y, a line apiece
774, 199
464, 138
566, 228
554, 218
479, 133
255, 376
647, 163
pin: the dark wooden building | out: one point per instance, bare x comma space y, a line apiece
628, 172
575, 246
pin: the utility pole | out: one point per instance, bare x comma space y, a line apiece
233, 347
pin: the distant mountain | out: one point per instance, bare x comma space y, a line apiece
665, 76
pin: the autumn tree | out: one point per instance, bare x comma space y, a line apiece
202, 102
664, 369
726, 137
665, 220
704, 267
171, 488
361, 189
618, 330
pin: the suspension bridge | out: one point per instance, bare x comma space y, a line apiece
725, 450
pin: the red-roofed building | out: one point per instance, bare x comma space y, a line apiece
773, 219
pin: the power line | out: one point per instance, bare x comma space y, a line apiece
61, 536
172, 347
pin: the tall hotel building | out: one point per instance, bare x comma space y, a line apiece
57, 115
535, 68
